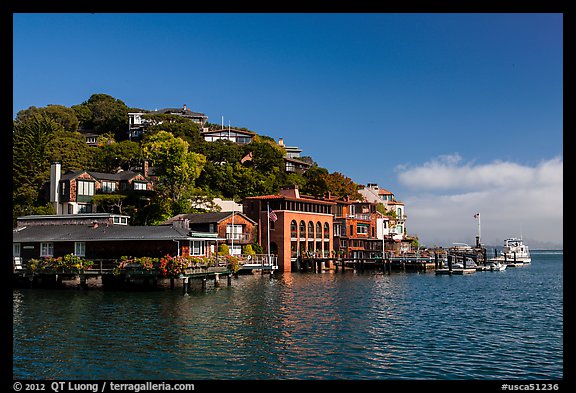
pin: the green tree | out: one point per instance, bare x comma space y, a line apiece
176, 168
109, 203
31, 160
123, 154
106, 114
248, 250
223, 249
341, 186
179, 126
316, 181
267, 156
70, 149
62, 115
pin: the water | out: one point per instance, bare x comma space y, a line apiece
303, 326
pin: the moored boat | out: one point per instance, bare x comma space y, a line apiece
514, 253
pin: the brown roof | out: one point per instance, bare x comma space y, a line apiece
301, 199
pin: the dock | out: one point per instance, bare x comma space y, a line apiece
105, 274
405, 262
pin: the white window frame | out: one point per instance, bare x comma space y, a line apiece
197, 247
108, 186
46, 249
139, 186
85, 187
80, 249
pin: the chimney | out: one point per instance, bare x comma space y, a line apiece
184, 107
55, 174
281, 142
145, 168
290, 191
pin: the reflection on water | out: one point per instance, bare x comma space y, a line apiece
302, 326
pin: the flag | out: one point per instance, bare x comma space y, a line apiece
271, 215
476, 215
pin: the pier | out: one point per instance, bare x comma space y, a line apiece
105, 274
405, 262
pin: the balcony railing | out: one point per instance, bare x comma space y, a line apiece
360, 216
242, 237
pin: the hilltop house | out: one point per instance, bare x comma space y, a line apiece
138, 123
241, 137
292, 162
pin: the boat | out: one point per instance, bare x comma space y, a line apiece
514, 253
496, 266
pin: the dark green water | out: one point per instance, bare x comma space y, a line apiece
371, 325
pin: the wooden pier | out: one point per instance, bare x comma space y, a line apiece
104, 275
410, 262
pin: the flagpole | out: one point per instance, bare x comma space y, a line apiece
232, 230
268, 227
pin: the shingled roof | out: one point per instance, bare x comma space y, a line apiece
205, 218
86, 233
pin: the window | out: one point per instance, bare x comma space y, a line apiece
46, 249
16, 249
197, 247
362, 229
138, 186
326, 230
233, 232
84, 208
293, 229
108, 186
85, 187
337, 230
310, 229
318, 230
80, 249
302, 229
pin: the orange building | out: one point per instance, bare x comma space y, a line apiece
303, 225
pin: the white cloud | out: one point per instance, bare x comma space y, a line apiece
513, 200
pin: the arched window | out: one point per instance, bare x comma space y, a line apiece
318, 230
310, 230
326, 230
293, 229
302, 229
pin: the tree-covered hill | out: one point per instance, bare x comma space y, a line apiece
189, 171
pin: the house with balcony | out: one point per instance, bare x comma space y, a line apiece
73, 191
357, 225
291, 225
241, 137
292, 161
234, 227
397, 220
138, 122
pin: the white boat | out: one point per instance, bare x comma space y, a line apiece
514, 253
496, 266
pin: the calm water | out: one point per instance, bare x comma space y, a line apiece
488, 325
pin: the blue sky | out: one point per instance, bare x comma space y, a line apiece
454, 113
